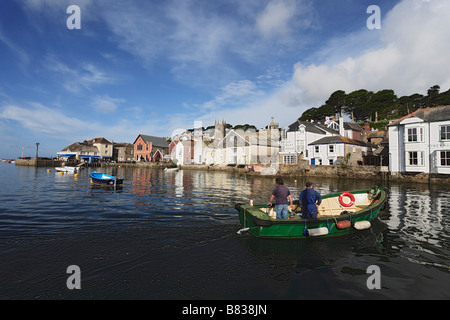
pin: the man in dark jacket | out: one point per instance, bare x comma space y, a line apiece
309, 200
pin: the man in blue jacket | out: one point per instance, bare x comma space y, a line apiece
309, 200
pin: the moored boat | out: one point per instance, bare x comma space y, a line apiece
105, 179
171, 169
66, 169
339, 214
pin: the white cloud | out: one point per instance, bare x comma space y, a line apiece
85, 77
41, 119
106, 104
410, 57
274, 20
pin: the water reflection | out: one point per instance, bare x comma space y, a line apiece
183, 228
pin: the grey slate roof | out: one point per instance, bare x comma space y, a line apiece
432, 114
338, 139
156, 141
311, 127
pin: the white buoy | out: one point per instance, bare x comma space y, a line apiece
362, 225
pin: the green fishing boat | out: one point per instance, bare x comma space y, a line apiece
339, 214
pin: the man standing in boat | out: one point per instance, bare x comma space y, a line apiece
309, 200
281, 193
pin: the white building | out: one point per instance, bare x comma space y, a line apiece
328, 151
296, 137
420, 142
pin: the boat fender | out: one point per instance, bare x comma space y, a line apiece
343, 224
318, 232
346, 204
362, 225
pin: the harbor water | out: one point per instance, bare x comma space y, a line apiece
173, 236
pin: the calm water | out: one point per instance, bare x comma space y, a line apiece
174, 236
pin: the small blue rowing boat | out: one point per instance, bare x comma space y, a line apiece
105, 179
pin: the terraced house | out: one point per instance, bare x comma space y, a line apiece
150, 148
420, 142
97, 149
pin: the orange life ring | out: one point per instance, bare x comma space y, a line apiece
347, 194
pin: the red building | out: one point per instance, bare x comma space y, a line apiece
150, 148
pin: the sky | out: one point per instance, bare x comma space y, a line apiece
153, 67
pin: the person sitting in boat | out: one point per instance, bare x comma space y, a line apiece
281, 193
309, 200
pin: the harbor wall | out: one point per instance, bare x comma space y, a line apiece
37, 162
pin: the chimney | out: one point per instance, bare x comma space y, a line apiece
367, 127
341, 126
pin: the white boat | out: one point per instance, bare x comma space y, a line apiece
66, 169
171, 169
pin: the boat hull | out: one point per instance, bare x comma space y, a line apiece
104, 179
260, 225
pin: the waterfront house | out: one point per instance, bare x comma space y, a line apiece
105, 148
344, 128
249, 147
88, 151
296, 137
337, 150
184, 151
150, 148
420, 142
172, 149
79, 151
123, 152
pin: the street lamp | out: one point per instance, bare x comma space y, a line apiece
37, 149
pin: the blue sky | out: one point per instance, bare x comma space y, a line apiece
154, 67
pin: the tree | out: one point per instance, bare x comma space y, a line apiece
337, 101
309, 114
381, 105
317, 114
356, 104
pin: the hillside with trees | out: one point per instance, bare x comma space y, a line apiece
384, 105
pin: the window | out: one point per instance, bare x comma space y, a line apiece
445, 158
317, 149
415, 158
330, 162
290, 159
415, 135
139, 147
331, 148
445, 132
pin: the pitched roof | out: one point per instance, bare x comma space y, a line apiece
311, 127
353, 126
432, 114
156, 141
99, 140
337, 139
79, 147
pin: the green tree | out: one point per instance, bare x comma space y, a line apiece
337, 101
317, 114
356, 104
381, 105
